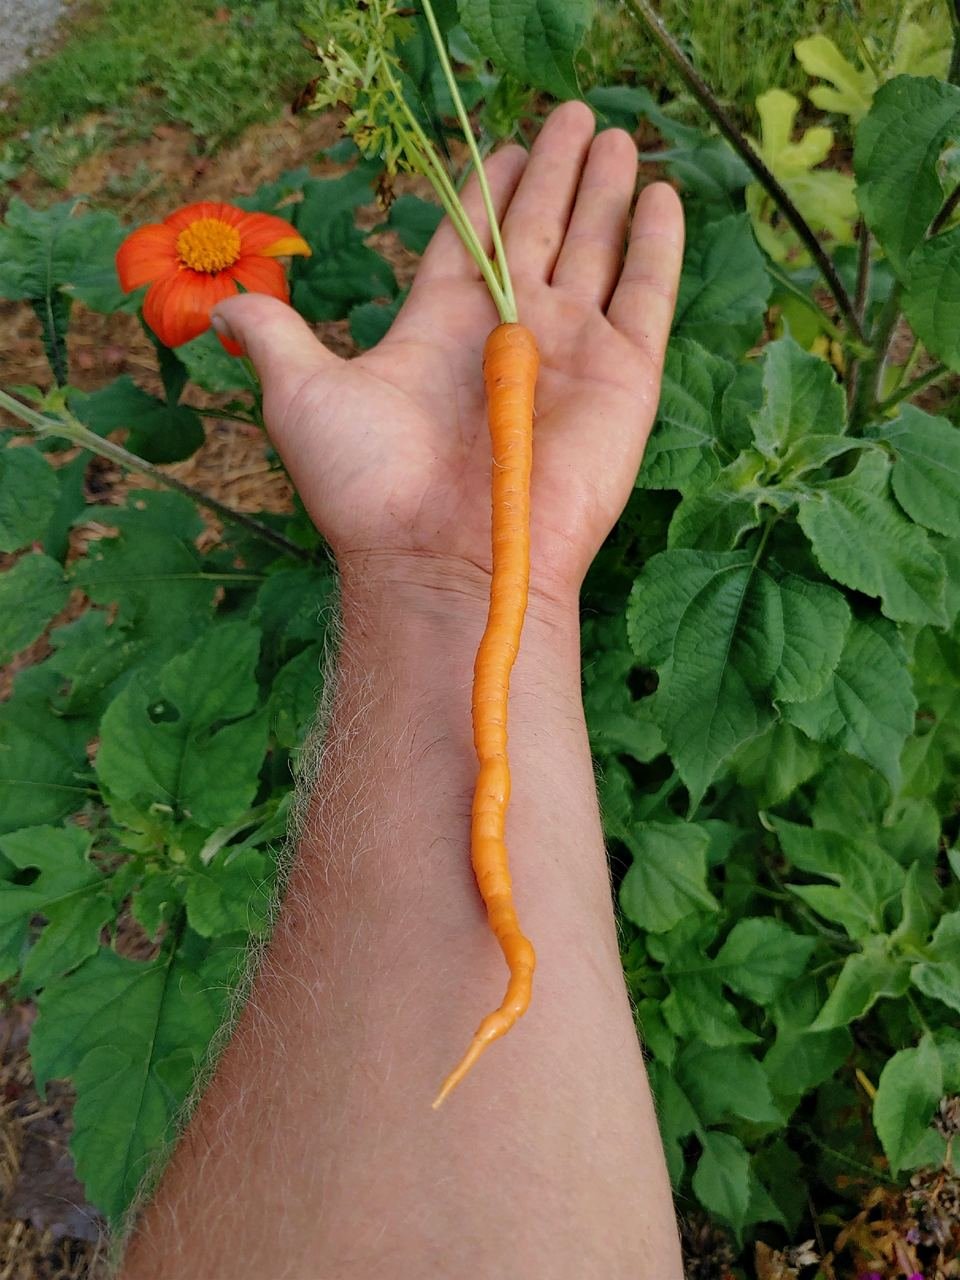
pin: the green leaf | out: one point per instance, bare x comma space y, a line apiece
31, 594
675, 1116
41, 756
777, 763
939, 975
414, 220
908, 1092
295, 696
852, 90
926, 468
43, 250
157, 431
215, 369
726, 1084
867, 706
668, 878
760, 956
895, 160
534, 40
867, 878
28, 496
682, 449
342, 270
724, 288
816, 623
864, 978
721, 1181
96, 657
800, 1059
231, 895
617, 721
370, 321
930, 299
67, 889
713, 626
160, 740
861, 540
130, 1036
716, 517
801, 397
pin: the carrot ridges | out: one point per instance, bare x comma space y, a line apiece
510, 364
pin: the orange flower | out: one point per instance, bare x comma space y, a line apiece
196, 257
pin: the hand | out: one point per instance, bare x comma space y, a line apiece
390, 451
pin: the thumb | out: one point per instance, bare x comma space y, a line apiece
281, 345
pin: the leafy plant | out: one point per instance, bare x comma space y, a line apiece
771, 668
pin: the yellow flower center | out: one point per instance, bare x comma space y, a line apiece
208, 245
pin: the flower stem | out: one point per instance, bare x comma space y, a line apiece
904, 393
67, 427
644, 12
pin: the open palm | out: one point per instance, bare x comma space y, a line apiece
390, 451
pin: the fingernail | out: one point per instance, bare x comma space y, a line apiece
221, 327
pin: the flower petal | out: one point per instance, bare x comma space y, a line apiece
182, 218
261, 275
273, 237
146, 255
178, 307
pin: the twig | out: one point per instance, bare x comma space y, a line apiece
67, 427
860, 304
949, 205
904, 393
643, 11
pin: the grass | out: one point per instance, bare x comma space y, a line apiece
129, 65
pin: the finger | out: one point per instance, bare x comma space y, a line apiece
536, 222
644, 299
591, 256
446, 255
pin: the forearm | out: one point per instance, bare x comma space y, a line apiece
315, 1152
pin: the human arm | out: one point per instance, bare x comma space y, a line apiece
315, 1152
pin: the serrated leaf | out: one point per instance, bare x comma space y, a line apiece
800, 1059
860, 539
156, 430
230, 895
908, 1091
534, 40
724, 288
42, 756
129, 1036
161, 742
31, 594
816, 623
44, 250
926, 475
760, 956
777, 763
801, 398
28, 496
867, 706
864, 979
617, 721
213, 368
867, 878
713, 625
668, 878
682, 450
726, 1084
895, 160
721, 1181
939, 975
370, 321
675, 1116
930, 298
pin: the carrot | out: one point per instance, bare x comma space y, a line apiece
510, 363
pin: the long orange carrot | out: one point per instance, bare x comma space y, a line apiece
510, 364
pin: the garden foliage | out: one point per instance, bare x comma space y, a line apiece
771, 671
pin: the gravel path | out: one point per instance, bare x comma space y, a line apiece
24, 26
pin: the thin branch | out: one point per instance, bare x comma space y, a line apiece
904, 393
865, 241
643, 11
70, 428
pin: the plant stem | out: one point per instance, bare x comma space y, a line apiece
953, 75
643, 11
68, 427
904, 393
949, 205
860, 305
500, 256
871, 374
